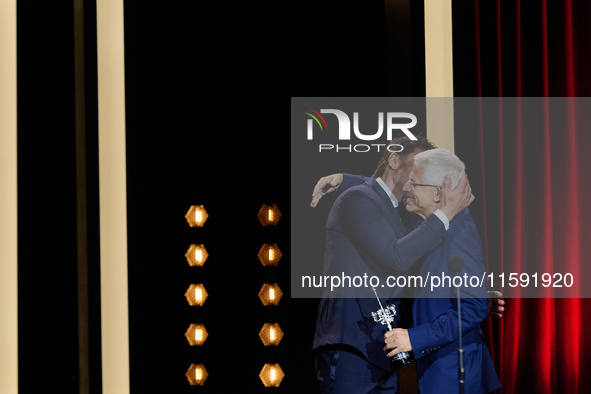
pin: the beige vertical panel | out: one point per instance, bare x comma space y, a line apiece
439, 73
8, 201
113, 208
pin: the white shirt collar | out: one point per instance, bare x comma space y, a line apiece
388, 192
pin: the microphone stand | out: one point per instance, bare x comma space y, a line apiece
455, 264
461, 370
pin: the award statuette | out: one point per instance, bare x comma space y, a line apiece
385, 316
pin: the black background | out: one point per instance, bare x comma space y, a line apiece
204, 126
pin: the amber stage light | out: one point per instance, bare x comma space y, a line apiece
196, 255
271, 334
196, 216
196, 334
270, 294
196, 374
271, 375
270, 254
196, 294
269, 215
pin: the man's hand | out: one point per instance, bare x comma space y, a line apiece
495, 304
326, 185
398, 340
456, 200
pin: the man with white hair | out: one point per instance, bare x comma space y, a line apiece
434, 335
366, 236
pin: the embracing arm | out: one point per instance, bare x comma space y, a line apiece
330, 183
367, 227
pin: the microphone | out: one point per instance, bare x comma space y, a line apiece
455, 264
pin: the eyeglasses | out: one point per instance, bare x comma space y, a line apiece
412, 184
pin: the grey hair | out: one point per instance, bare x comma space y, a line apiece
437, 163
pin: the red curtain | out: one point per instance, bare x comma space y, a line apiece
531, 183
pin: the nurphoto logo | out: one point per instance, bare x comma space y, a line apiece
392, 120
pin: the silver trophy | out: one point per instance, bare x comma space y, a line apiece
385, 316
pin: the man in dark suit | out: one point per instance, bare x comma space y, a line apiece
366, 236
434, 334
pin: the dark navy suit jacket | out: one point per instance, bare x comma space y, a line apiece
364, 235
434, 335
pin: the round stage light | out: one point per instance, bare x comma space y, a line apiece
196, 294
270, 294
196, 255
196, 216
271, 375
269, 215
271, 334
196, 374
196, 334
270, 254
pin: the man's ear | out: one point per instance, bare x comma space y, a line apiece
394, 161
437, 198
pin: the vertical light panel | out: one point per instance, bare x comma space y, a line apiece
113, 208
271, 334
439, 73
8, 201
196, 294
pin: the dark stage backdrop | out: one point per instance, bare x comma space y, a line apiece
185, 146
47, 214
530, 184
203, 127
